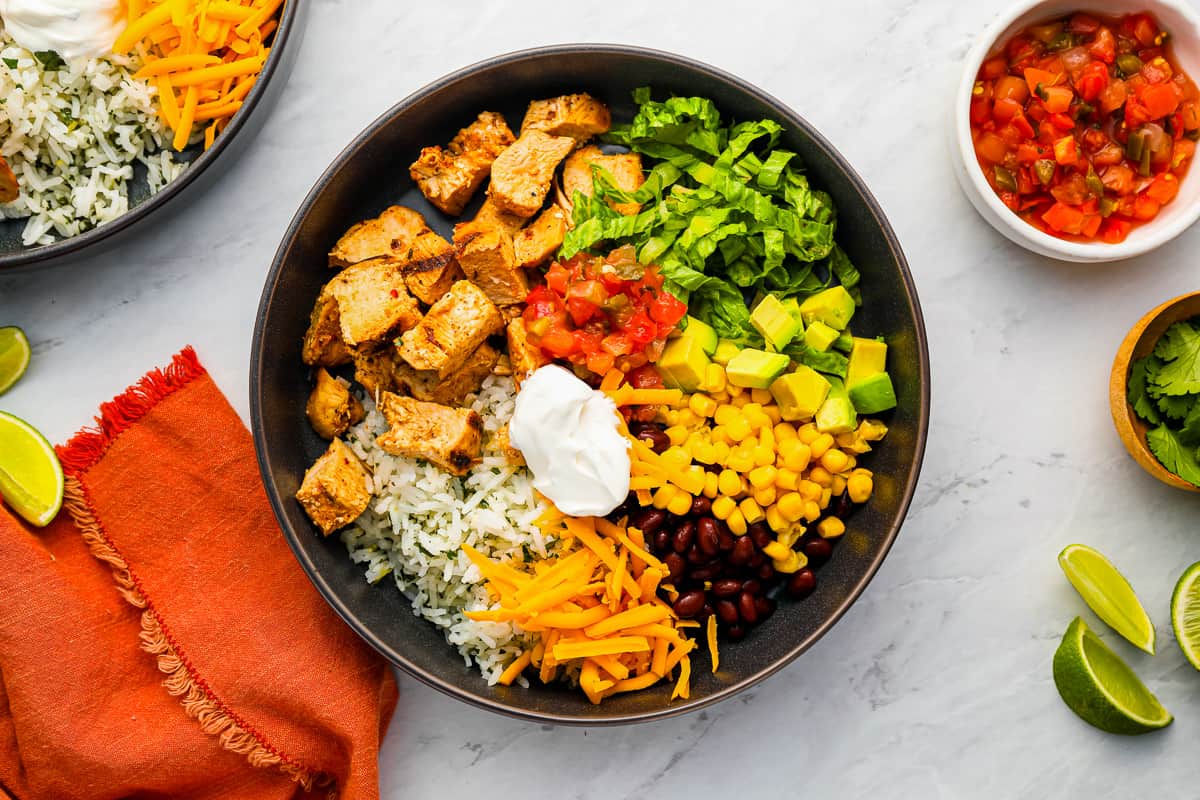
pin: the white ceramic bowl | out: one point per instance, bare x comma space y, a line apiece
1175, 16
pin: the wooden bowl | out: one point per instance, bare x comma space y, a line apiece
1138, 343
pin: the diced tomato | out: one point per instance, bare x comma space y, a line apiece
618, 344
1159, 99
1182, 152
1010, 87
556, 278
1092, 81
1110, 154
667, 309
1104, 46
1112, 96
1022, 126
1145, 208
591, 291
1144, 30
993, 68
1065, 151
1114, 231
981, 111
1057, 99
1063, 218
1062, 122
581, 310
1040, 77
1163, 188
600, 362
1005, 109
1028, 153
558, 342
1082, 23
1157, 70
1091, 225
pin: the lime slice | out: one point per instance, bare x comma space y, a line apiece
31, 479
1185, 614
1101, 688
1106, 592
14, 356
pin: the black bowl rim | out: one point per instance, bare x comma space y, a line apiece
42, 255
256, 381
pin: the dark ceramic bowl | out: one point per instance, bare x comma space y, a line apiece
14, 255
373, 173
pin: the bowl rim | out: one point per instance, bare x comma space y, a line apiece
1015, 228
434, 680
41, 255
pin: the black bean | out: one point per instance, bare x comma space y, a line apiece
654, 437
757, 560
727, 612
727, 587
766, 572
648, 520
743, 551
801, 584
689, 604
752, 586
746, 608
704, 573
842, 506
705, 612
662, 540
708, 536
675, 564
725, 539
760, 534
701, 506
735, 633
818, 551
695, 556
684, 534
765, 607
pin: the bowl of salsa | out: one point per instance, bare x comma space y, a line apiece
1077, 126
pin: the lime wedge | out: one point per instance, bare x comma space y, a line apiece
1101, 688
1185, 614
1106, 592
31, 479
14, 356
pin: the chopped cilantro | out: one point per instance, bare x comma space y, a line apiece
11, 63
50, 60
1168, 449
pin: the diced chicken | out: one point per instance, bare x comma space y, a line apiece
534, 245
625, 168
373, 301
430, 267
503, 366
448, 178
509, 313
524, 355
486, 256
323, 344
490, 216
375, 368
331, 409
451, 438
521, 175
451, 390
502, 444
387, 234
336, 488
454, 326
579, 116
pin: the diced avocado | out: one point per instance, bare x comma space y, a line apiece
834, 307
755, 369
820, 336
683, 363
793, 307
844, 341
726, 350
703, 332
867, 357
836, 414
874, 394
772, 320
799, 393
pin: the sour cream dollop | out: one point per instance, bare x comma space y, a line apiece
568, 433
71, 28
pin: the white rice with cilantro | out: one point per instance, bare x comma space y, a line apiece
420, 517
71, 132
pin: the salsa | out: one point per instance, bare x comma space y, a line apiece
1085, 125
600, 313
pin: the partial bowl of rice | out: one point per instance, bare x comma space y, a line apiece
94, 145
442, 553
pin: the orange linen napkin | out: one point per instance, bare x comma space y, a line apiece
159, 640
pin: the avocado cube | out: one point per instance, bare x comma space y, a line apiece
683, 363
726, 350
755, 369
799, 393
836, 414
867, 357
874, 394
844, 341
834, 307
820, 336
793, 307
703, 332
772, 320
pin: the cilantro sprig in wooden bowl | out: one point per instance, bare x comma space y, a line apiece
1154, 392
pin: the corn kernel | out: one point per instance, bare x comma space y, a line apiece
738, 400
821, 445
809, 490
719, 435
826, 496
834, 460
775, 520
704, 453
860, 487
664, 495
690, 479
792, 535
714, 378
729, 483
808, 432
723, 506
776, 550
796, 455
792, 563
791, 506
830, 528
680, 504
670, 417
734, 390
725, 413
675, 457
812, 511
763, 455
710, 485
761, 396
773, 413
766, 438
740, 460
677, 434
872, 430
688, 418
787, 479
736, 522
721, 397
762, 477
702, 405
785, 430
765, 497
839, 485
820, 476
721, 452
751, 511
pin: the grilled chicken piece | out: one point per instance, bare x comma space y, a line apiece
502, 444
490, 216
448, 178
451, 391
579, 116
323, 345
9, 189
336, 488
375, 368
451, 438
524, 356
534, 245
331, 409
451, 330
486, 256
373, 301
387, 234
430, 267
521, 175
625, 168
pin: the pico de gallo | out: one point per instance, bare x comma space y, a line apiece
602, 312
1085, 125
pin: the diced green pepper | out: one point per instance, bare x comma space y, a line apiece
1135, 144
1093, 182
1129, 64
1044, 169
1107, 206
1005, 179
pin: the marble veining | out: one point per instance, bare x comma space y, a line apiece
937, 682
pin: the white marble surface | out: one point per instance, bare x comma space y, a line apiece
937, 683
